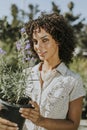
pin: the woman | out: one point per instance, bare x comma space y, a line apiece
56, 92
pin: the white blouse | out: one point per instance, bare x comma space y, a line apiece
60, 87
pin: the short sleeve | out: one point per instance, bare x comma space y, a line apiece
78, 89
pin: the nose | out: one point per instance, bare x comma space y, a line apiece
39, 45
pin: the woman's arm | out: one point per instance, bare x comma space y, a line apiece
71, 123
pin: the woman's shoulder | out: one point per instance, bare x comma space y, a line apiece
67, 72
73, 74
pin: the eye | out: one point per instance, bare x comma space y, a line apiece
35, 42
45, 40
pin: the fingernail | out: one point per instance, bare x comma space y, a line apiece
15, 124
21, 109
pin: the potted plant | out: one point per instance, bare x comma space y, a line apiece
13, 82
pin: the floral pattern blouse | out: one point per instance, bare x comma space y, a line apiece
60, 87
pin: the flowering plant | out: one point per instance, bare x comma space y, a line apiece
13, 83
25, 55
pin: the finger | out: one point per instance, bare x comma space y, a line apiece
23, 110
35, 113
36, 106
29, 114
5, 127
30, 117
6, 122
34, 103
27, 110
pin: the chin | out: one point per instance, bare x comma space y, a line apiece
42, 58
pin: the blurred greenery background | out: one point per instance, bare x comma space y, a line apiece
10, 33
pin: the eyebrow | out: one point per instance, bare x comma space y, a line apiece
41, 37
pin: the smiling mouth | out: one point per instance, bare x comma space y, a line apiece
41, 53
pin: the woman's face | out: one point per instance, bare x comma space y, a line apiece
44, 45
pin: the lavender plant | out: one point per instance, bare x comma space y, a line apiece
13, 83
25, 55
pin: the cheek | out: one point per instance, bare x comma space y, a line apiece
35, 49
52, 48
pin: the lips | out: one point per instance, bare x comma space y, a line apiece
41, 53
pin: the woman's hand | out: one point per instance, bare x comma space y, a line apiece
32, 114
7, 125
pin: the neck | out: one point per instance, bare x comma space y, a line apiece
50, 65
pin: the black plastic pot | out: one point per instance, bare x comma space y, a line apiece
11, 112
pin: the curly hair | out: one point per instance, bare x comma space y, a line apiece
59, 29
